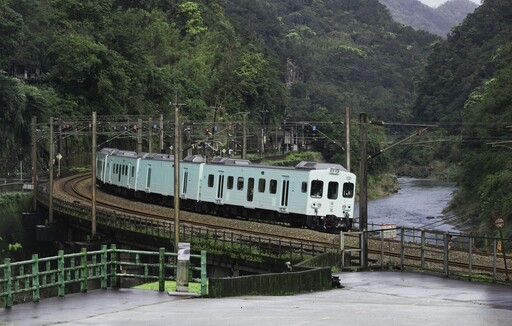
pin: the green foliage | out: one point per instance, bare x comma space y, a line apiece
193, 287
294, 158
343, 51
465, 87
11, 230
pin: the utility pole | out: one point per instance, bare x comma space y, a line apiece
34, 163
347, 136
50, 176
150, 135
161, 133
139, 136
244, 141
363, 200
177, 151
93, 178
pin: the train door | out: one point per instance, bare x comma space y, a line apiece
185, 184
220, 187
109, 172
284, 192
129, 168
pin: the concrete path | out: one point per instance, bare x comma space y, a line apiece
369, 298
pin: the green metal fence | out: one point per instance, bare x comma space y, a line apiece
106, 266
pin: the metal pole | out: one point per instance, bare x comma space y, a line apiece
34, 163
244, 141
363, 200
177, 151
347, 140
93, 178
161, 133
139, 136
50, 177
150, 136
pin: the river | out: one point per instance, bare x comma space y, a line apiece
419, 203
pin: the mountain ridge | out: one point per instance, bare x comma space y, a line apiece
438, 21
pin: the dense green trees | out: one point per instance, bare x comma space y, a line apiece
465, 89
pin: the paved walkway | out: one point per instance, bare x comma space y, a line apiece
369, 298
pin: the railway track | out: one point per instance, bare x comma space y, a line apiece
77, 188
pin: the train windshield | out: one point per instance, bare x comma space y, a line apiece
348, 190
317, 188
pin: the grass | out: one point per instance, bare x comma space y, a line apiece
193, 287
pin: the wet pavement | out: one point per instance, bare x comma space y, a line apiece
368, 298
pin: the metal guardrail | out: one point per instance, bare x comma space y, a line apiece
465, 256
107, 266
201, 237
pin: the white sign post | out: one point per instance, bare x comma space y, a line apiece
183, 266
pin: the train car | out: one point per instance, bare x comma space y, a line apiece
315, 195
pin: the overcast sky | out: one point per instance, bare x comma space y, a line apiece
436, 3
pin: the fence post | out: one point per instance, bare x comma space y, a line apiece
203, 273
35, 278
402, 249
8, 285
84, 271
446, 252
381, 248
161, 270
61, 274
494, 259
113, 267
422, 248
470, 249
104, 278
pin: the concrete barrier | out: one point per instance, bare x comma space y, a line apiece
299, 280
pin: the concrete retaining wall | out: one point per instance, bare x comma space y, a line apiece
298, 281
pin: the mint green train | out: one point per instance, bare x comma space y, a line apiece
319, 196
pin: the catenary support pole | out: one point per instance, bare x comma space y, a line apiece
34, 163
347, 137
50, 173
363, 199
93, 178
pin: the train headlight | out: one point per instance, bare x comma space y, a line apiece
344, 207
316, 205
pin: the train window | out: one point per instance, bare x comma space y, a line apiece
317, 188
273, 186
230, 182
148, 180
304, 186
250, 189
348, 190
240, 183
210, 180
332, 190
261, 185
185, 182
133, 172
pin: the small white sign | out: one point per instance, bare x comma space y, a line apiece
183, 251
388, 231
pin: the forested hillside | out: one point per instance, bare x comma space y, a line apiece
438, 21
339, 53
287, 58
466, 90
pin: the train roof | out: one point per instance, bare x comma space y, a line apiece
304, 165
